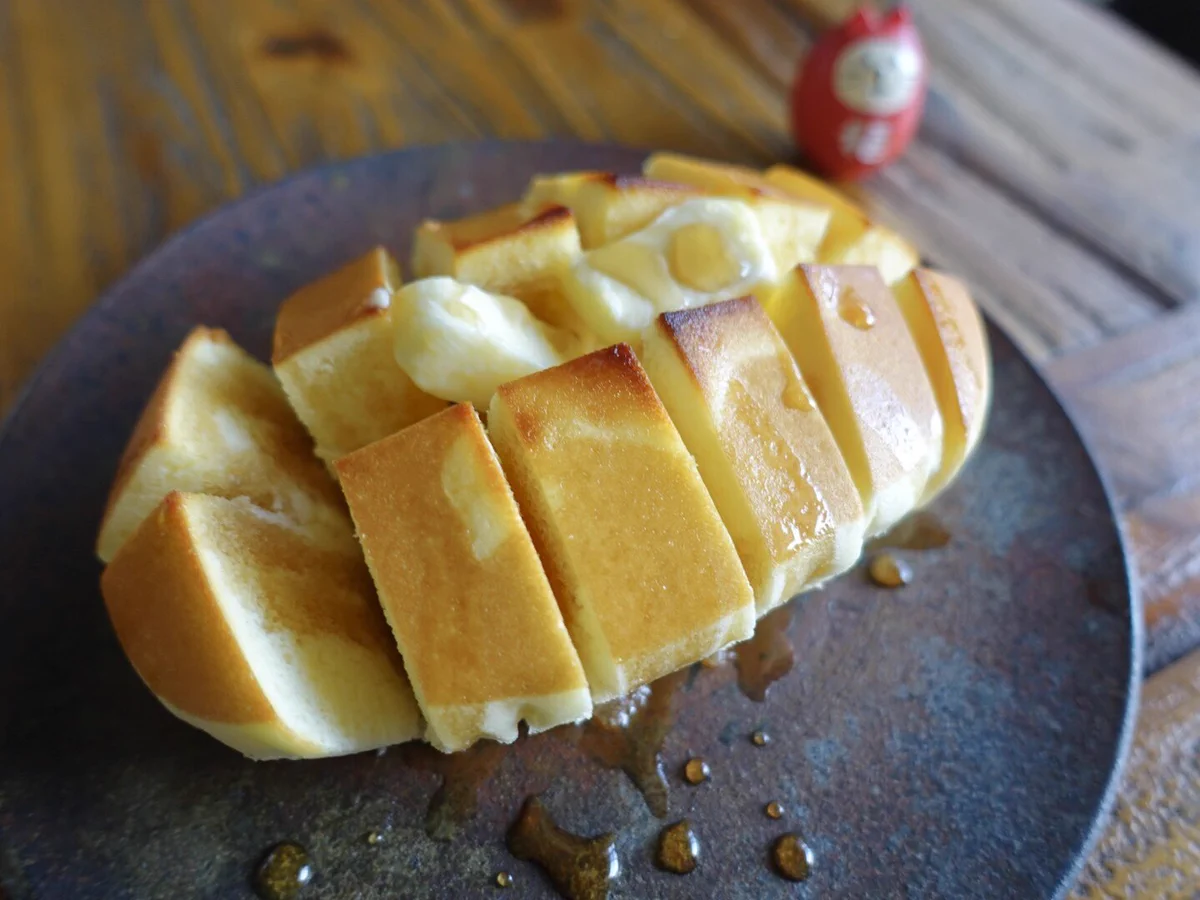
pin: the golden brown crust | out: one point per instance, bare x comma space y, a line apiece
151, 428
485, 228
172, 627
616, 502
457, 573
600, 387
331, 303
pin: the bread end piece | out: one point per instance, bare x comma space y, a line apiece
952, 339
254, 632
218, 423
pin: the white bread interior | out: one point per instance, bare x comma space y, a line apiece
256, 631
333, 355
763, 448
482, 638
218, 423
645, 574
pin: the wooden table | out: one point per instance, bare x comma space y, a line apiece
1056, 170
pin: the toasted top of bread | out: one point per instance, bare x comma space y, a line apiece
218, 422
764, 449
244, 625
952, 339
607, 206
480, 631
645, 573
363, 287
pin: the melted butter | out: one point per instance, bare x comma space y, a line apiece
699, 258
852, 308
637, 265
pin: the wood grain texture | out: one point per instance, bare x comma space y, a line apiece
1055, 170
1151, 848
1137, 401
1081, 203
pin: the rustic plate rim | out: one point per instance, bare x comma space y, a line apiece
106, 302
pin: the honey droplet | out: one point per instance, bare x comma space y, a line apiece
283, 872
767, 656
796, 397
774, 810
888, 571
581, 868
504, 880
628, 734
853, 309
678, 848
374, 838
792, 857
920, 531
717, 660
760, 738
696, 771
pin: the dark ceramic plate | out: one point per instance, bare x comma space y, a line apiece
957, 738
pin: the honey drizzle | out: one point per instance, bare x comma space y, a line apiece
462, 774
919, 531
766, 657
580, 868
628, 734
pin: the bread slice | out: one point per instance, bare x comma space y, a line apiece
512, 251
719, 178
607, 207
951, 337
218, 423
333, 355
481, 635
847, 333
459, 342
645, 574
852, 238
247, 627
763, 448
701, 251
